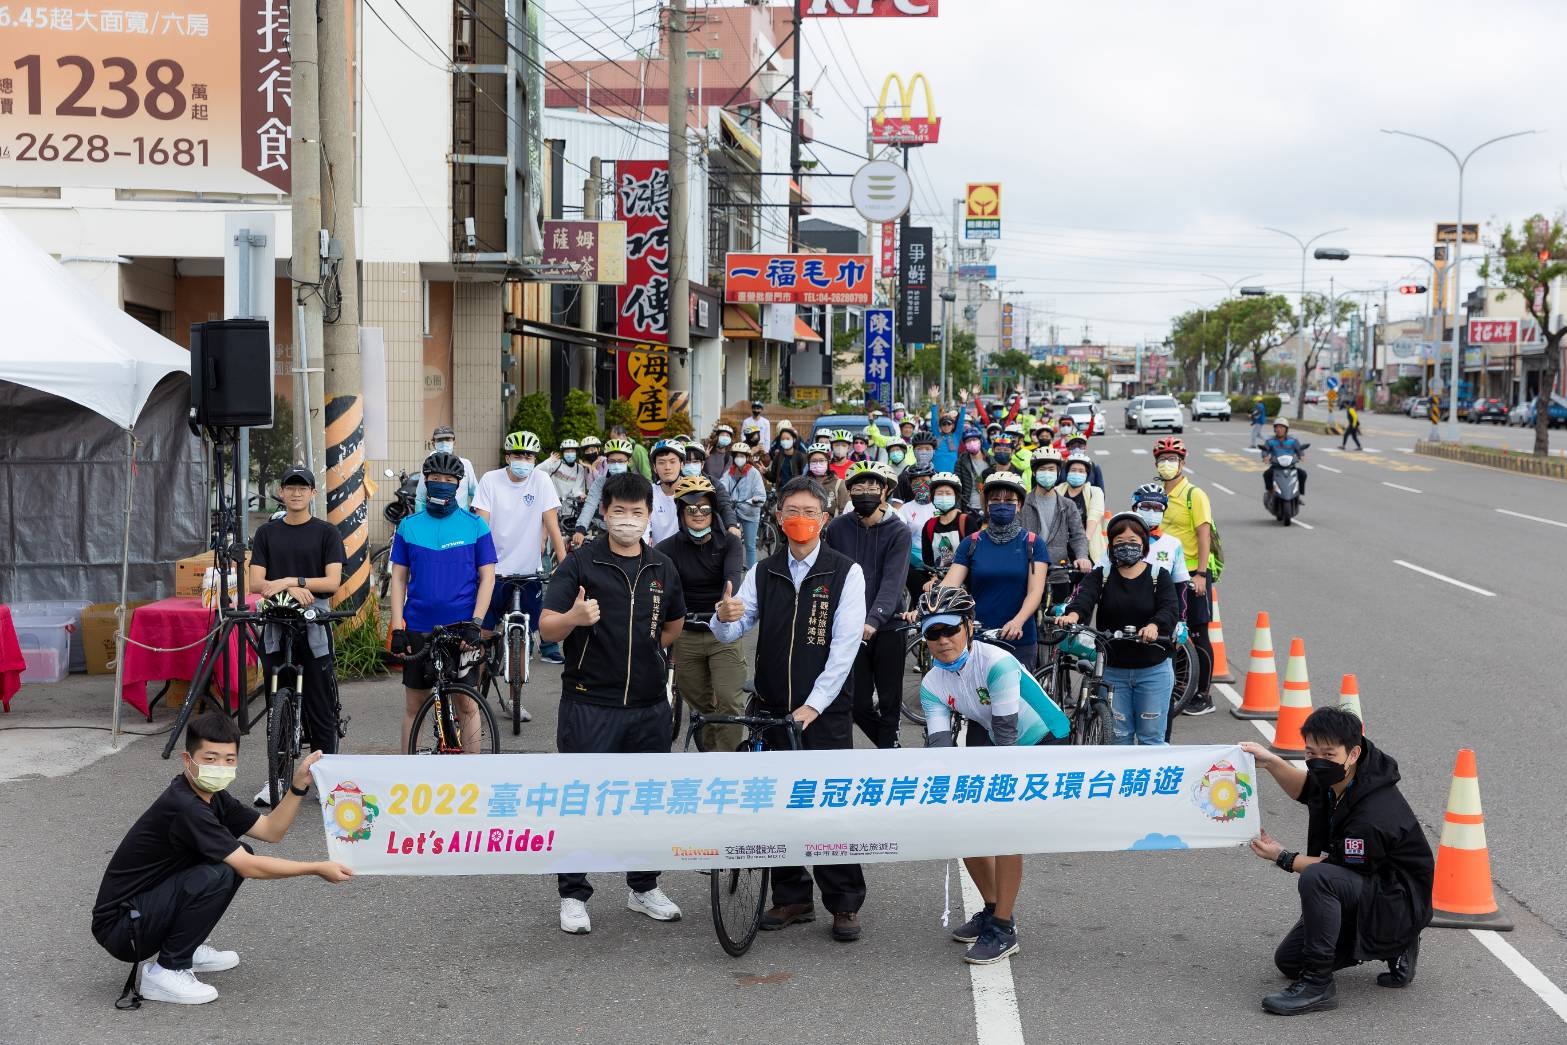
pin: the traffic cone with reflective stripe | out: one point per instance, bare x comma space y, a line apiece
1349, 698
1221, 661
1261, 696
1295, 706
1461, 896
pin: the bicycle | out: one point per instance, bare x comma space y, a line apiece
446, 649
1184, 659
509, 651
738, 895
285, 695
910, 707
402, 505
768, 537
1092, 713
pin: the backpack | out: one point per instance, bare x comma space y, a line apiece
930, 527
1215, 549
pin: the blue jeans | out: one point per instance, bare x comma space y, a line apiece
748, 529
1141, 702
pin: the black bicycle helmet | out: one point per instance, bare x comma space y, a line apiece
1137, 520
924, 437
442, 463
946, 602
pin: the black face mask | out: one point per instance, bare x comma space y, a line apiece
1325, 771
865, 504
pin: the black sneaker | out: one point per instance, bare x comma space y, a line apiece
1401, 970
974, 928
994, 944
1313, 992
1201, 704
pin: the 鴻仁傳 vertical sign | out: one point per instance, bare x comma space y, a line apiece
642, 202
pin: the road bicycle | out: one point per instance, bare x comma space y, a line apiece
509, 651
738, 895
285, 687
440, 714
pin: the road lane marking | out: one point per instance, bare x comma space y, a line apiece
1306, 525
1444, 577
1102, 453
996, 1019
1406, 489
1332, 450
1222, 489
1335, 471
1524, 969
1533, 518
1372, 450
1138, 450
1405, 449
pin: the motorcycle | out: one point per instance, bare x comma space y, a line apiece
1282, 499
404, 498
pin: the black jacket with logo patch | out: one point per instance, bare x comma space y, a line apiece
619, 661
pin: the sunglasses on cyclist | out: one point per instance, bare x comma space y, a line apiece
944, 631
698, 509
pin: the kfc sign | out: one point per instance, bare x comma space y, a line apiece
870, 8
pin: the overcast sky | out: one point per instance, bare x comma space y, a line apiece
1142, 143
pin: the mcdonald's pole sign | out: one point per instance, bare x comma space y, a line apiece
905, 128
870, 8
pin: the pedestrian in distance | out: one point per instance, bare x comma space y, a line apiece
807, 602
1351, 427
1367, 871
616, 606
176, 871
1259, 418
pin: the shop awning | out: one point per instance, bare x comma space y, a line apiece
744, 141
740, 325
803, 332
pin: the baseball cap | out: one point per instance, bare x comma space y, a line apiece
298, 474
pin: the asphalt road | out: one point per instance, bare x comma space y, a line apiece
1173, 946
1403, 431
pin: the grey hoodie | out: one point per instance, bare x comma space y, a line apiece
882, 552
1066, 539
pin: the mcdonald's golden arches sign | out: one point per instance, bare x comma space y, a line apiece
905, 128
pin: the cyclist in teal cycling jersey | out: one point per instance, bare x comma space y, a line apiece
1004, 706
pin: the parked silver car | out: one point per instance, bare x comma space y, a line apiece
1210, 404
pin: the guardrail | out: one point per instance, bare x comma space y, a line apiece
1506, 460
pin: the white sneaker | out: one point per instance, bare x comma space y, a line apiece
264, 796
654, 904
209, 959
574, 918
178, 986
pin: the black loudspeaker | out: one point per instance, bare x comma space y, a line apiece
230, 374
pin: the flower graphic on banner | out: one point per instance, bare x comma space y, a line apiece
351, 811
1222, 792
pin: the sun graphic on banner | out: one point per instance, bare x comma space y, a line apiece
1223, 792
352, 811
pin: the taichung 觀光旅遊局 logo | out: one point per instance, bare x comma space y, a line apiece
1223, 792
351, 812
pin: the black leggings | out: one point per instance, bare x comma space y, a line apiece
876, 687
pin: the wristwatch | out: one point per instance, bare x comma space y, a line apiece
298, 792
301, 582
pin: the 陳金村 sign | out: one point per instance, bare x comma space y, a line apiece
879, 360
798, 279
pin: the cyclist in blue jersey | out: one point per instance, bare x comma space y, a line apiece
443, 570
1004, 707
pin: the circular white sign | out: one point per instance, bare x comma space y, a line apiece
881, 191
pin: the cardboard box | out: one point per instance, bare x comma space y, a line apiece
189, 572
98, 635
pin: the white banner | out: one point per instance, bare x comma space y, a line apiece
542, 814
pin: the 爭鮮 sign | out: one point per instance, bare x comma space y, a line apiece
798, 279
879, 360
914, 286
642, 202
583, 252
197, 98
982, 211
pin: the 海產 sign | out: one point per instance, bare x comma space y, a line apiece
879, 361
1493, 331
642, 202
982, 210
547, 814
101, 94
798, 279
644, 384
905, 128
870, 8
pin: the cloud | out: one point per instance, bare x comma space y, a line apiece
1158, 841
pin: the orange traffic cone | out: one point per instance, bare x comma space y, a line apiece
1261, 696
1221, 661
1461, 895
1295, 706
1349, 698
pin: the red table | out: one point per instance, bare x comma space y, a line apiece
170, 623
11, 663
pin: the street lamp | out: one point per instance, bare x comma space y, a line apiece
1229, 289
1326, 254
1458, 257
947, 298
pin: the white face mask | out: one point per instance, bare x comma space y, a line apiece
723, 440
445, 446
617, 468
786, 443
627, 531
1151, 517
691, 468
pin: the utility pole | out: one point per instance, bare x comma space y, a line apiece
305, 201
949, 311
679, 273
794, 134
592, 186
345, 415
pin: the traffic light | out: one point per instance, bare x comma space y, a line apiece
1412, 288
1545, 256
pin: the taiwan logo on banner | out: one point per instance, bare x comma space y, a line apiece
879, 364
642, 202
914, 283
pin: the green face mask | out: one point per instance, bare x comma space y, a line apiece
212, 779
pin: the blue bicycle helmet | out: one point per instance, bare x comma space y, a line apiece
1150, 493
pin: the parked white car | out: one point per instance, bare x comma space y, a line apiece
1160, 412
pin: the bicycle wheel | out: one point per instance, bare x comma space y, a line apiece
1096, 716
422, 739
381, 570
739, 895
1184, 661
676, 706
280, 745
910, 707
516, 660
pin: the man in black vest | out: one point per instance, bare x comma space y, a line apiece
809, 602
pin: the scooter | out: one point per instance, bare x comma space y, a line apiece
1283, 499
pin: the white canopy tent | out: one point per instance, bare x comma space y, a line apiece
63, 339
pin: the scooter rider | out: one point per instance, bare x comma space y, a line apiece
1283, 443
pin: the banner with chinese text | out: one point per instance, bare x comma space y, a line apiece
642, 202
798, 279
644, 383
142, 97
583, 252
982, 210
879, 362
914, 286
544, 814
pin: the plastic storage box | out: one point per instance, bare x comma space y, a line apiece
46, 646
51, 611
